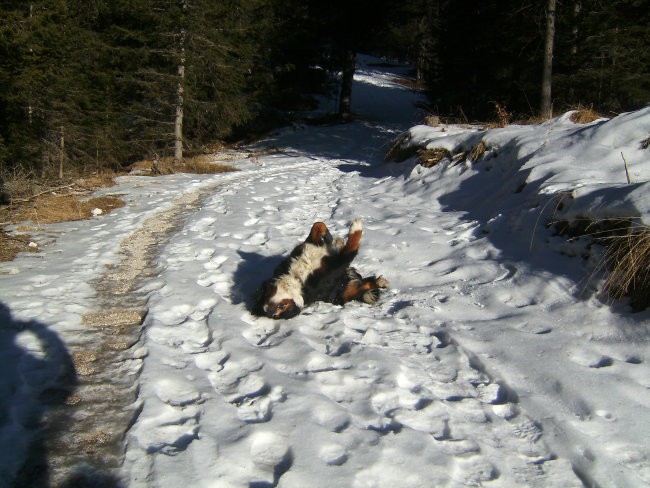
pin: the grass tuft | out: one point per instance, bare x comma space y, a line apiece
584, 115
478, 151
430, 157
628, 259
627, 255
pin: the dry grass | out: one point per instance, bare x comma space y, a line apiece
44, 202
398, 153
502, 114
584, 115
12, 244
628, 259
627, 255
431, 157
49, 209
201, 164
478, 151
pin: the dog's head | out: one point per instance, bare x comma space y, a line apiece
276, 302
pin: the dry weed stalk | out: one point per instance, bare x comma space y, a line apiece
503, 116
398, 152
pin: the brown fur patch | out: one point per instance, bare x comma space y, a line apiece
318, 231
354, 240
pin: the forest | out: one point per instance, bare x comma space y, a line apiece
94, 85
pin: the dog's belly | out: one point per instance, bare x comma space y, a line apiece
326, 287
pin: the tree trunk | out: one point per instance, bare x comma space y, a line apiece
178, 122
349, 61
546, 108
62, 154
577, 8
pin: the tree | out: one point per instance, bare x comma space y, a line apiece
546, 108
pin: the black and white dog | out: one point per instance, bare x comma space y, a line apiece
318, 270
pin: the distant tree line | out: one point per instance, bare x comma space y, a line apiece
473, 53
92, 84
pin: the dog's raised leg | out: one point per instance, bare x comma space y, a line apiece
351, 247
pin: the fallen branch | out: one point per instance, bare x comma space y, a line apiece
51, 190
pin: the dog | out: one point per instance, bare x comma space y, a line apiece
318, 269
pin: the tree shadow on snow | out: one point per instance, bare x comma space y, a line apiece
513, 214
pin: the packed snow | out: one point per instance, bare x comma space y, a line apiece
493, 360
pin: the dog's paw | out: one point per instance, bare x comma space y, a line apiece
370, 296
356, 226
383, 282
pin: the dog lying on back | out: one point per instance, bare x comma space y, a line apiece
318, 270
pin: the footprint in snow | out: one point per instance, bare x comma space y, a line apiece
241, 384
264, 332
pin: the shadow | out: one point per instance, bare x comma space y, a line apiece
251, 272
513, 215
37, 375
380, 114
88, 477
511, 210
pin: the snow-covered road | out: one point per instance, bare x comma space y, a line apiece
477, 368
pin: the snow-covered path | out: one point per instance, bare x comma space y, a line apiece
360, 396
481, 366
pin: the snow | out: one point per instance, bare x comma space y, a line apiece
490, 362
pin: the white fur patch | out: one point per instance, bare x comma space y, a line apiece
301, 268
288, 287
356, 226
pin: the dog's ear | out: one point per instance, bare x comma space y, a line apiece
319, 235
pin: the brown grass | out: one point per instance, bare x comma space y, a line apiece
584, 115
431, 157
49, 209
478, 151
12, 244
627, 255
628, 259
200, 164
